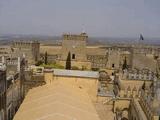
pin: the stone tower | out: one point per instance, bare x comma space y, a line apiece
76, 45
28, 48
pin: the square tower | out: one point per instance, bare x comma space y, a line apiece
76, 45
30, 49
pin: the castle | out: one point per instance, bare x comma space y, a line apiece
124, 76
109, 57
123, 86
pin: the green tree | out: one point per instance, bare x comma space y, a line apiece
46, 58
144, 85
68, 61
124, 64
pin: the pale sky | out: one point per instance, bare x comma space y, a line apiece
117, 18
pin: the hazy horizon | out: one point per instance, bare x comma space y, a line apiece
99, 18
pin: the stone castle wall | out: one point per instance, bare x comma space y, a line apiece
103, 57
31, 50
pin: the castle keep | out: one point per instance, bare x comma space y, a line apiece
76, 45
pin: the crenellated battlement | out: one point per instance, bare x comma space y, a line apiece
24, 44
29, 48
82, 36
135, 74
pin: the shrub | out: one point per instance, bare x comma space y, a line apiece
95, 69
68, 61
75, 68
38, 63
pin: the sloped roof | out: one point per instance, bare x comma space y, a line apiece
58, 101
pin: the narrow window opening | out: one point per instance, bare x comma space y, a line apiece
112, 65
73, 56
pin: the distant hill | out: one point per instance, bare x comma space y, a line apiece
114, 40
8, 39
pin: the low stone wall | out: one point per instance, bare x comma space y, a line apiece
136, 112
